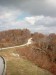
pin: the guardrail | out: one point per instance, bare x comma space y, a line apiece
2, 66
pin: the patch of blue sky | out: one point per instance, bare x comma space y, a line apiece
22, 16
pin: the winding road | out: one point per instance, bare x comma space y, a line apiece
29, 42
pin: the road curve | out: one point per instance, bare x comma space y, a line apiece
29, 42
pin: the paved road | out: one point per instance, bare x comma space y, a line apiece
2, 66
29, 42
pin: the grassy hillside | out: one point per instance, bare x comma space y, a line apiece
16, 65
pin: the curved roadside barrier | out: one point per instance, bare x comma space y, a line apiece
2, 66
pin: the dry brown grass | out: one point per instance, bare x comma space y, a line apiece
16, 65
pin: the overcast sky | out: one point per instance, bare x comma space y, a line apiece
36, 15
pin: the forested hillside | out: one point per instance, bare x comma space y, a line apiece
14, 37
41, 51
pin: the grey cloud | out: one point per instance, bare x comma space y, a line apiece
45, 24
34, 7
41, 21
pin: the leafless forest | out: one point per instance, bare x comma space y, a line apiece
42, 51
